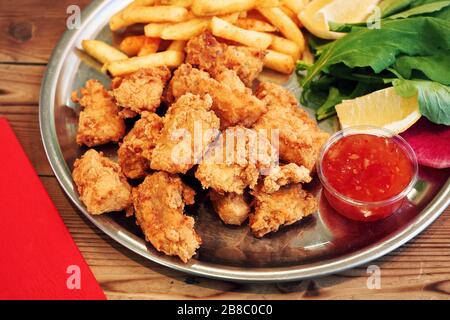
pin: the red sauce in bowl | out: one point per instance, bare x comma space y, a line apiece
367, 176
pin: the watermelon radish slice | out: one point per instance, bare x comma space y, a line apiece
431, 142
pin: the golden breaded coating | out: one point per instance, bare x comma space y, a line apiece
231, 106
284, 207
189, 127
235, 161
232, 208
135, 152
300, 138
206, 53
283, 175
101, 184
142, 90
99, 122
159, 204
231, 80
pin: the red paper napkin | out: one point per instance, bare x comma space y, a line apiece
38, 257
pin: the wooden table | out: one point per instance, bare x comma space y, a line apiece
29, 30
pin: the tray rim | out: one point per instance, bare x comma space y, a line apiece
281, 274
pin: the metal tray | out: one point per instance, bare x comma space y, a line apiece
324, 243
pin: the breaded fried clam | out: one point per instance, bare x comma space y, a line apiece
99, 122
300, 138
141, 90
159, 204
235, 161
232, 104
101, 183
232, 208
135, 152
206, 53
189, 127
283, 207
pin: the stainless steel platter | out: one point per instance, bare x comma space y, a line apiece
324, 243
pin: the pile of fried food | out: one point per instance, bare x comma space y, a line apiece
247, 142
272, 26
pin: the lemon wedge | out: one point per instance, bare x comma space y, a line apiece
317, 13
383, 108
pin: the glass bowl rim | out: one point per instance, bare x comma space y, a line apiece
372, 130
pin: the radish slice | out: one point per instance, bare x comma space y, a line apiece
431, 142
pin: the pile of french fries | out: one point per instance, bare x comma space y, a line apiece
270, 25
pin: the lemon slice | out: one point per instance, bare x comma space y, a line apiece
383, 108
317, 13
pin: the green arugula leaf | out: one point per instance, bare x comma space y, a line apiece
419, 10
378, 48
429, 8
434, 98
435, 67
389, 7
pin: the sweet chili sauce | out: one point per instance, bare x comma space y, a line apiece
364, 174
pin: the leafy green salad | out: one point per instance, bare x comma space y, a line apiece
409, 50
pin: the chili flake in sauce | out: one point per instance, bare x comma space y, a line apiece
366, 167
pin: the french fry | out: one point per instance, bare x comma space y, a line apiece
242, 14
267, 3
295, 5
231, 17
132, 44
285, 46
291, 14
139, 45
177, 45
102, 51
154, 30
285, 24
226, 30
150, 46
255, 25
185, 30
116, 22
143, 3
279, 62
177, 3
220, 7
170, 59
155, 14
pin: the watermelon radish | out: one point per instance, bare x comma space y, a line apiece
431, 142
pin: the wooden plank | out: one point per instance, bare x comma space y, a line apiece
20, 84
29, 29
419, 270
25, 123
19, 98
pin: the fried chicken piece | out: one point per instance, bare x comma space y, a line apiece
283, 175
300, 139
235, 161
99, 122
232, 208
142, 90
136, 150
231, 104
206, 53
284, 207
159, 204
189, 127
101, 183
231, 80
